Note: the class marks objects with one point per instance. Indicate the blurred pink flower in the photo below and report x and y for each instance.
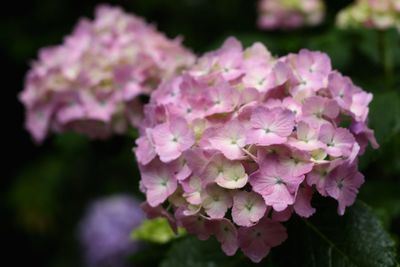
(91, 82)
(289, 14)
(377, 14)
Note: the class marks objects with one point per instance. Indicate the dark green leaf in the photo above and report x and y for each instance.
(385, 115)
(382, 195)
(355, 240)
(190, 252)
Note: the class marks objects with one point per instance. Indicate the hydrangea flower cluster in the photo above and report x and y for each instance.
(91, 83)
(379, 14)
(105, 231)
(242, 140)
(290, 14)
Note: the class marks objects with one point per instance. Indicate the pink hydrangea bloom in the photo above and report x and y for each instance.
(256, 138)
(377, 14)
(289, 14)
(91, 82)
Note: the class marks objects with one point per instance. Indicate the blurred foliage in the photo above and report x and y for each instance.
(47, 188)
(156, 230)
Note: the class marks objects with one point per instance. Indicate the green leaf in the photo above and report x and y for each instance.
(156, 231)
(357, 239)
(382, 195)
(384, 119)
(191, 252)
(149, 255)
(385, 115)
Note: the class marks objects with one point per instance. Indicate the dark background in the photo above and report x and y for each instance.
(44, 189)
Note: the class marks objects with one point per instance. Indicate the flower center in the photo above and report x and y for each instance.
(215, 198)
(278, 180)
(340, 184)
(248, 206)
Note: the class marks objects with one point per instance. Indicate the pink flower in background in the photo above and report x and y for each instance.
(91, 82)
(377, 14)
(289, 14)
(245, 140)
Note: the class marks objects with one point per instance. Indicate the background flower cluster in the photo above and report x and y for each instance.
(379, 14)
(290, 14)
(92, 82)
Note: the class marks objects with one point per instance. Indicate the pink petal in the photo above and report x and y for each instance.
(171, 139)
(38, 121)
(195, 224)
(343, 183)
(226, 234)
(270, 127)
(229, 140)
(159, 182)
(282, 216)
(145, 150)
(226, 173)
(279, 198)
(302, 204)
(248, 208)
(216, 201)
(256, 241)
